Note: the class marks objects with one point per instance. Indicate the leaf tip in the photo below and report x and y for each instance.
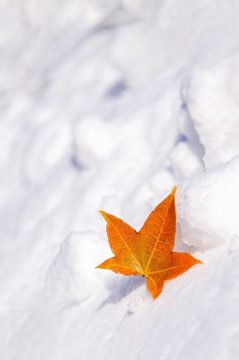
(199, 262)
(103, 214)
(101, 266)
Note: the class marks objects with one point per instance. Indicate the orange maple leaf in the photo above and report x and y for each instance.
(149, 251)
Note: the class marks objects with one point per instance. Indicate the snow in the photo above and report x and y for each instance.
(207, 195)
(213, 103)
(107, 105)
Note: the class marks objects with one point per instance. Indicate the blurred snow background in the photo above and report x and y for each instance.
(107, 104)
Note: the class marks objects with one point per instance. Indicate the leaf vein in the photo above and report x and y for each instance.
(159, 271)
(150, 258)
(124, 242)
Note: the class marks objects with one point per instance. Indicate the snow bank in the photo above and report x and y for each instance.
(208, 200)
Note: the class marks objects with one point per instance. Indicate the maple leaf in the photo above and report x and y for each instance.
(149, 251)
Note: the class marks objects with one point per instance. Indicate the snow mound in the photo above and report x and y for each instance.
(72, 275)
(206, 205)
(213, 103)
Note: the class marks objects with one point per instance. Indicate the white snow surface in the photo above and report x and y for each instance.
(108, 104)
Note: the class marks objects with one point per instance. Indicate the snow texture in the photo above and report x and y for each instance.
(108, 105)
